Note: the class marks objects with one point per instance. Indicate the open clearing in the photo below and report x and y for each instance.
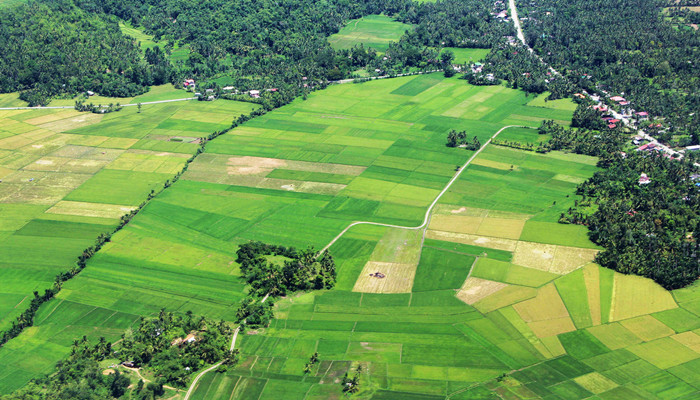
(373, 31)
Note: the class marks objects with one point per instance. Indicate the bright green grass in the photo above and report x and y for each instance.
(466, 55)
(505, 272)
(373, 31)
(560, 104)
(523, 135)
(439, 269)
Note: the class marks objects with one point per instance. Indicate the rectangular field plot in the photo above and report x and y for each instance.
(375, 31)
(441, 270)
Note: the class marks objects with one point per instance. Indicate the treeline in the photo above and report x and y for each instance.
(623, 46)
(300, 270)
(643, 208)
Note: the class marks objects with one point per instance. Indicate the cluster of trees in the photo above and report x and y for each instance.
(98, 109)
(157, 344)
(313, 360)
(455, 139)
(351, 385)
(625, 47)
(605, 144)
(301, 270)
(646, 229)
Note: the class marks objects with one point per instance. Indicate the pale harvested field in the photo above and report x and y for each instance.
(552, 258)
(400, 246)
(689, 339)
(501, 228)
(546, 313)
(455, 223)
(553, 345)
(634, 296)
(300, 186)
(475, 289)
(591, 276)
(474, 240)
(510, 295)
(567, 259)
(399, 278)
(534, 255)
(72, 122)
(647, 328)
(89, 209)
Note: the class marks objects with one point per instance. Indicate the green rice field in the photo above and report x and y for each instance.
(67, 177)
(372, 31)
(494, 300)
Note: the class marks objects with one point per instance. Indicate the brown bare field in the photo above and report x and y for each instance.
(492, 243)
(398, 278)
(475, 289)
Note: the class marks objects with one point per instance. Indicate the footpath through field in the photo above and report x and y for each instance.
(432, 205)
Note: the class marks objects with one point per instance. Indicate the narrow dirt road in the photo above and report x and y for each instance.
(432, 205)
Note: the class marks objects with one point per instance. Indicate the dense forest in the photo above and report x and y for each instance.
(57, 48)
(624, 47)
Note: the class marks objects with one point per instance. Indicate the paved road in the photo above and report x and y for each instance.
(521, 36)
(342, 81)
(71, 107)
(432, 205)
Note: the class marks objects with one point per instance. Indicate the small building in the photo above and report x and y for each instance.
(644, 179)
(211, 98)
(617, 98)
(693, 148)
(188, 83)
(190, 338)
(227, 88)
(129, 364)
(254, 94)
(612, 126)
(642, 115)
(210, 91)
(90, 93)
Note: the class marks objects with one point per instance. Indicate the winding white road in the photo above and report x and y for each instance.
(432, 205)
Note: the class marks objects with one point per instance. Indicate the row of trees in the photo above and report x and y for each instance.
(455, 139)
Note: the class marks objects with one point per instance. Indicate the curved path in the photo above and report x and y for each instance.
(432, 205)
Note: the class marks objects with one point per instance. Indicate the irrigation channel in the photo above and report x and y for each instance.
(426, 219)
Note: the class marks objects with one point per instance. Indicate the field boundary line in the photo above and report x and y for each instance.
(429, 211)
